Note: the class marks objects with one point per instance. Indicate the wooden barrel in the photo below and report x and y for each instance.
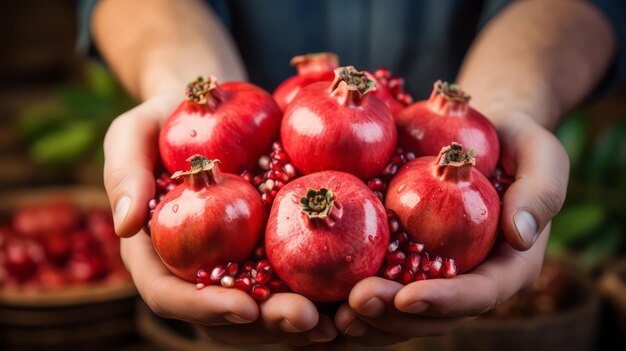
(95, 316)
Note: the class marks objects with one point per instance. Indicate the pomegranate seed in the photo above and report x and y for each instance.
(280, 156)
(449, 268)
(269, 174)
(247, 266)
(232, 269)
(392, 272)
(375, 184)
(262, 277)
(393, 246)
(406, 277)
(170, 187)
(217, 274)
(380, 196)
(290, 170)
(410, 156)
(425, 262)
(414, 247)
(259, 292)
(276, 165)
(435, 268)
(277, 286)
(390, 170)
(391, 214)
(267, 198)
(264, 162)
(243, 283)
(264, 265)
(266, 186)
(247, 176)
(382, 72)
(280, 175)
(413, 262)
(397, 159)
(279, 184)
(227, 281)
(277, 146)
(396, 257)
(203, 277)
(152, 204)
(420, 276)
(273, 193)
(401, 237)
(259, 252)
(258, 180)
(394, 226)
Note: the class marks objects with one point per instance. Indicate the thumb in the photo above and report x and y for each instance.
(538, 192)
(130, 157)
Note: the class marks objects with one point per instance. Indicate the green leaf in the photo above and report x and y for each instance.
(575, 222)
(573, 135)
(608, 160)
(66, 145)
(606, 244)
(39, 120)
(100, 81)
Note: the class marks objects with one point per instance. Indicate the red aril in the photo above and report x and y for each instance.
(390, 90)
(209, 219)
(446, 204)
(339, 126)
(446, 117)
(326, 232)
(312, 68)
(234, 122)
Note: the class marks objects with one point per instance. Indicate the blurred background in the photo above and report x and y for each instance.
(62, 283)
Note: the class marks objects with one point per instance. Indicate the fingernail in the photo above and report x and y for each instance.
(526, 226)
(319, 336)
(418, 307)
(287, 326)
(121, 210)
(356, 329)
(372, 308)
(237, 319)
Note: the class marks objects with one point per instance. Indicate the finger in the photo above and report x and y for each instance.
(538, 192)
(130, 149)
(262, 333)
(288, 312)
(370, 296)
(357, 331)
(471, 294)
(171, 297)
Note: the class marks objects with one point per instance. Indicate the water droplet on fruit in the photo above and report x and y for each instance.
(193, 133)
(401, 188)
(348, 258)
(175, 208)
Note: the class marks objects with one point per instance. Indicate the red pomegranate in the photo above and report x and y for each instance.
(208, 220)
(312, 68)
(339, 126)
(446, 204)
(390, 90)
(427, 126)
(326, 232)
(234, 122)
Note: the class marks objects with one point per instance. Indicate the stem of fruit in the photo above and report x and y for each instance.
(203, 172)
(448, 99)
(204, 92)
(453, 164)
(313, 63)
(321, 206)
(351, 86)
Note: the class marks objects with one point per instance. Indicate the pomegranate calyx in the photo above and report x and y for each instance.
(454, 164)
(448, 99)
(203, 172)
(321, 205)
(315, 62)
(351, 86)
(204, 92)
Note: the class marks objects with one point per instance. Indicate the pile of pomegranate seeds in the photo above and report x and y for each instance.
(163, 185)
(254, 276)
(277, 171)
(501, 181)
(407, 261)
(379, 183)
(394, 84)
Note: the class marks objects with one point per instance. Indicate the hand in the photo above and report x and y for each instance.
(228, 315)
(382, 312)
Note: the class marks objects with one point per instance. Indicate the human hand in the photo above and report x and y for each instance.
(228, 315)
(382, 312)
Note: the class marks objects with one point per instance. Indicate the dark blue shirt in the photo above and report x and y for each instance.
(421, 40)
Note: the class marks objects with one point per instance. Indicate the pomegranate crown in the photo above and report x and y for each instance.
(451, 91)
(317, 203)
(330, 59)
(453, 154)
(201, 90)
(200, 164)
(354, 80)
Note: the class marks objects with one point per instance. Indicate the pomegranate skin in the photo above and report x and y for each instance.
(426, 126)
(208, 220)
(453, 210)
(235, 122)
(312, 68)
(338, 127)
(324, 261)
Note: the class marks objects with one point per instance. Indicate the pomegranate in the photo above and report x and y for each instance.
(209, 219)
(390, 90)
(234, 122)
(339, 126)
(311, 68)
(427, 126)
(446, 204)
(326, 232)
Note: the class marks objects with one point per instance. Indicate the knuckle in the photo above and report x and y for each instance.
(551, 195)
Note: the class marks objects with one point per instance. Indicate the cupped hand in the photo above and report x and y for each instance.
(382, 312)
(228, 315)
